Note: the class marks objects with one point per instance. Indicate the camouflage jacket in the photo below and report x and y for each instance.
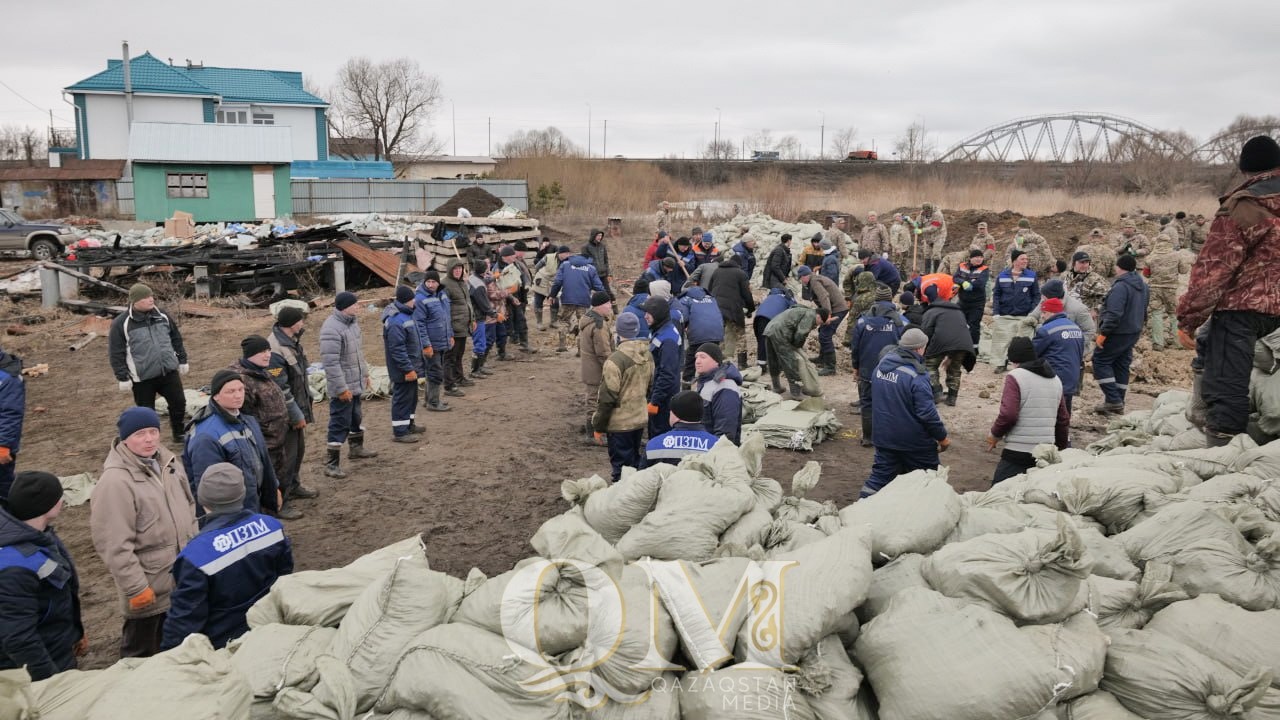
(664, 220)
(986, 242)
(624, 389)
(1195, 236)
(1090, 287)
(899, 238)
(1239, 267)
(934, 227)
(840, 239)
(1138, 244)
(1039, 254)
(1176, 233)
(874, 238)
(1165, 265)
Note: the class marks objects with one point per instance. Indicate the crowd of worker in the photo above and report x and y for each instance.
(193, 540)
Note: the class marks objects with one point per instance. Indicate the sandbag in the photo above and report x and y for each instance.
(1172, 529)
(460, 671)
(568, 537)
(795, 506)
(1238, 638)
(1115, 498)
(784, 536)
(340, 704)
(1159, 678)
(747, 529)
(321, 597)
(978, 521)
(827, 582)
(72, 694)
(830, 681)
(1259, 492)
(660, 702)
(1034, 576)
(384, 619)
(742, 693)
(1109, 557)
(933, 657)
(1248, 579)
(614, 509)
(705, 603)
(1130, 605)
(191, 681)
(890, 579)
(912, 514)
(1099, 705)
(696, 504)
(554, 596)
(276, 656)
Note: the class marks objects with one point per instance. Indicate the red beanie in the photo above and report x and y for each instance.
(1052, 305)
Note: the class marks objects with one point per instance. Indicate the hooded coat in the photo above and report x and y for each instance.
(731, 288)
(459, 302)
(39, 600)
(721, 392)
(597, 252)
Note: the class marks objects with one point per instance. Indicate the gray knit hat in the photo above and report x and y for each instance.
(221, 488)
(913, 339)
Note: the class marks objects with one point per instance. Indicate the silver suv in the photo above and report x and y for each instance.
(44, 242)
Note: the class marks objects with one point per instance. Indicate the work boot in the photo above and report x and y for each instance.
(331, 468)
(503, 356)
(434, 404)
(541, 316)
(302, 492)
(827, 365)
(356, 449)
(777, 384)
(1108, 408)
(288, 512)
(951, 397)
(555, 320)
(937, 395)
(742, 361)
(794, 388)
(454, 392)
(466, 382)
(416, 429)
(407, 439)
(866, 431)
(560, 346)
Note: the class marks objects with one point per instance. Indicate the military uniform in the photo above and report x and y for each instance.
(933, 234)
(875, 237)
(840, 239)
(1089, 287)
(664, 220)
(900, 245)
(1138, 244)
(1164, 265)
(1195, 237)
(985, 242)
(1176, 233)
(1039, 254)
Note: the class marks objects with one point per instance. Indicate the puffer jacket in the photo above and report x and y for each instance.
(598, 253)
(879, 328)
(775, 303)
(144, 345)
(1032, 411)
(703, 320)
(831, 266)
(721, 392)
(777, 267)
(884, 272)
(288, 357)
(1060, 342)
(215, 436)
(39, 603)
(432, 315)
(576, 279)
(400, 343)
(948, 332)
(1015, 296)
(342, 354)
(624, 388)
(977, 277)
(460, 316)
(1125, 309)
(142, 514)
(904, 417)
(265, 401)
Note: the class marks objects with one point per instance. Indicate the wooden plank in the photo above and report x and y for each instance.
(475, 221)
(91, 306)
(202, 310)
(87, 278)
(383, 264)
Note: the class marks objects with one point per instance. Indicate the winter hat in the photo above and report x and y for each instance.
(1259, 154)
(221, 488)
(1127, 263)
(913, 339)
(289, 316)
(1021, 350)
(641, 286)
(1080, 256)
(507, 251)
(563, 249)
(1016, 254)
(817, 238)
(663, 234)
(687, 406)
(668, 263)
(404, 294)
(1024, 223)
(803, 270)
(431, 275)
(221, 378)
(660, 289)
(883, 292)
(712, 350)
(683, 241)
(907, 298)
(1054, 289)
(599, 298)
(659, 309)
(253, 345)
(976, 252)
(826, 246)
(135, 419)
(706, 238)
(345, 300)
(931, 293)
(33, 494)
(1052, 305)
(138, 292)
(627, 326)
(982, 225)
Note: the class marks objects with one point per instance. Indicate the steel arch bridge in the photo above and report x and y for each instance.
(1224, 147)
(1065, 137)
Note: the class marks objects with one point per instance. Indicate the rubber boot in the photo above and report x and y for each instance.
(331, 469)
(866, 431)
(503, 356)
(478, 370)
(827, 364)
(555, 319)
(794, 388)
(541, 318)
(356, 450)
(951, 397)
(777, 384)
(525, 346)
(288, 512)
(1158, 334)
(560, 346)
(434, 403)
(937, 394)
(742, 361)
(1107, 408)
(454, 392)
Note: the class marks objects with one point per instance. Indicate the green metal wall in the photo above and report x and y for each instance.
(230, 192)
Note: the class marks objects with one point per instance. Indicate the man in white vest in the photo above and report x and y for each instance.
(1032, 411)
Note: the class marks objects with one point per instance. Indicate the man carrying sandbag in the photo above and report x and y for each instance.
(225, 569)
(1017, 293)
(908, 434)
(785, 336)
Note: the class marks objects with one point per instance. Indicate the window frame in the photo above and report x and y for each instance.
(186, 185)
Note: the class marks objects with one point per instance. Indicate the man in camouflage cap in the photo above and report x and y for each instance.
(1084, 283)
(664, 217)
(1039, 254)
(931, 227)
(1130, 241)
(837, 236)
(900, 243)
(875, 236)
(985, 242)
(1164, 265)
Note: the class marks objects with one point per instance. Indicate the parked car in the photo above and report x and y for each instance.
(43, 241)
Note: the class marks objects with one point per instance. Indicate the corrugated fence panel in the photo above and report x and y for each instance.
(124, 197)
(403, 197)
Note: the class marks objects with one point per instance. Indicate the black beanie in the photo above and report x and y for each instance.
(33, 493)
(641, 286)
(1259, 154)
(687, 406)
(289, 316)
(431, 275)
(712, 350)
(1053, 289)
(600, 297)
(1127, 263)
(344, 300)
(659, 309)
(221, 378)
(253, 345)
(1021, 350)
(404, 294)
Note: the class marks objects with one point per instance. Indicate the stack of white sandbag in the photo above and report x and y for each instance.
(768, 232)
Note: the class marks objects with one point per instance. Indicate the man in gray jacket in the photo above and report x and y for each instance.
(147, 356)
(346, 376)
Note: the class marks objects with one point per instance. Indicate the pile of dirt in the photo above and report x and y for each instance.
(821, 217)
(477, 200)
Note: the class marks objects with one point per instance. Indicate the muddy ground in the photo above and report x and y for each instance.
(490, 473)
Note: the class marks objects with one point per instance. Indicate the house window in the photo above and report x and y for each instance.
(264, 119)
(187, 185)
(232, 117)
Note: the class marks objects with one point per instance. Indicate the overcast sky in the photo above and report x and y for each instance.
(657, 71)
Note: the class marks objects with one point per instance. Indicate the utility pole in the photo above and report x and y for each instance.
(605, 153)
(490, 145)
(822, 135)
(588, 131)
(453, 111)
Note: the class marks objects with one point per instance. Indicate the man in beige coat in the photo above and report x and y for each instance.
(141, 515)
(595, 345)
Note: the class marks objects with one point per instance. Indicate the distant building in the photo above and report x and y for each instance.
(449, 167)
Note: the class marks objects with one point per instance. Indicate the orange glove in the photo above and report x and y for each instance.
(943, 444)
(1184, 339)
(992, 442)
(599, 438)
(142, 599)
(653, 409)
(428, 351)
(1101, 339)
(502, 317)
(300, 424)
(344, 396)
(6, 456)
(81, 647)
(411, 376)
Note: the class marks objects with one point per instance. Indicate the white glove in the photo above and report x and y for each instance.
(183, 369)
(124, 385)
(884, 256)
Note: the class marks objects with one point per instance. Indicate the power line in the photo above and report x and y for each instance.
(24, 99)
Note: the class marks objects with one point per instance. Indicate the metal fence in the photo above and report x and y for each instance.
(401, 197)
(124, 198)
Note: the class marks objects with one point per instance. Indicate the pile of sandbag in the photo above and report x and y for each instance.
(794, 424)
(767, 233)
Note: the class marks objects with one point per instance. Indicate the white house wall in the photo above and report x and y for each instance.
(431, 171)
(302, 122)
(109, 124)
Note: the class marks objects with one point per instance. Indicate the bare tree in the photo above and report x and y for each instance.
(1225, 147)
(915, 145)
(788, 147)
(549, 142)
(724, 149)
(843, 141)
(389, 102)
(762, 140)
(19, 142)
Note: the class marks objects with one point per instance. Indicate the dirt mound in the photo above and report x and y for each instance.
(820, 216)
(477, 200)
